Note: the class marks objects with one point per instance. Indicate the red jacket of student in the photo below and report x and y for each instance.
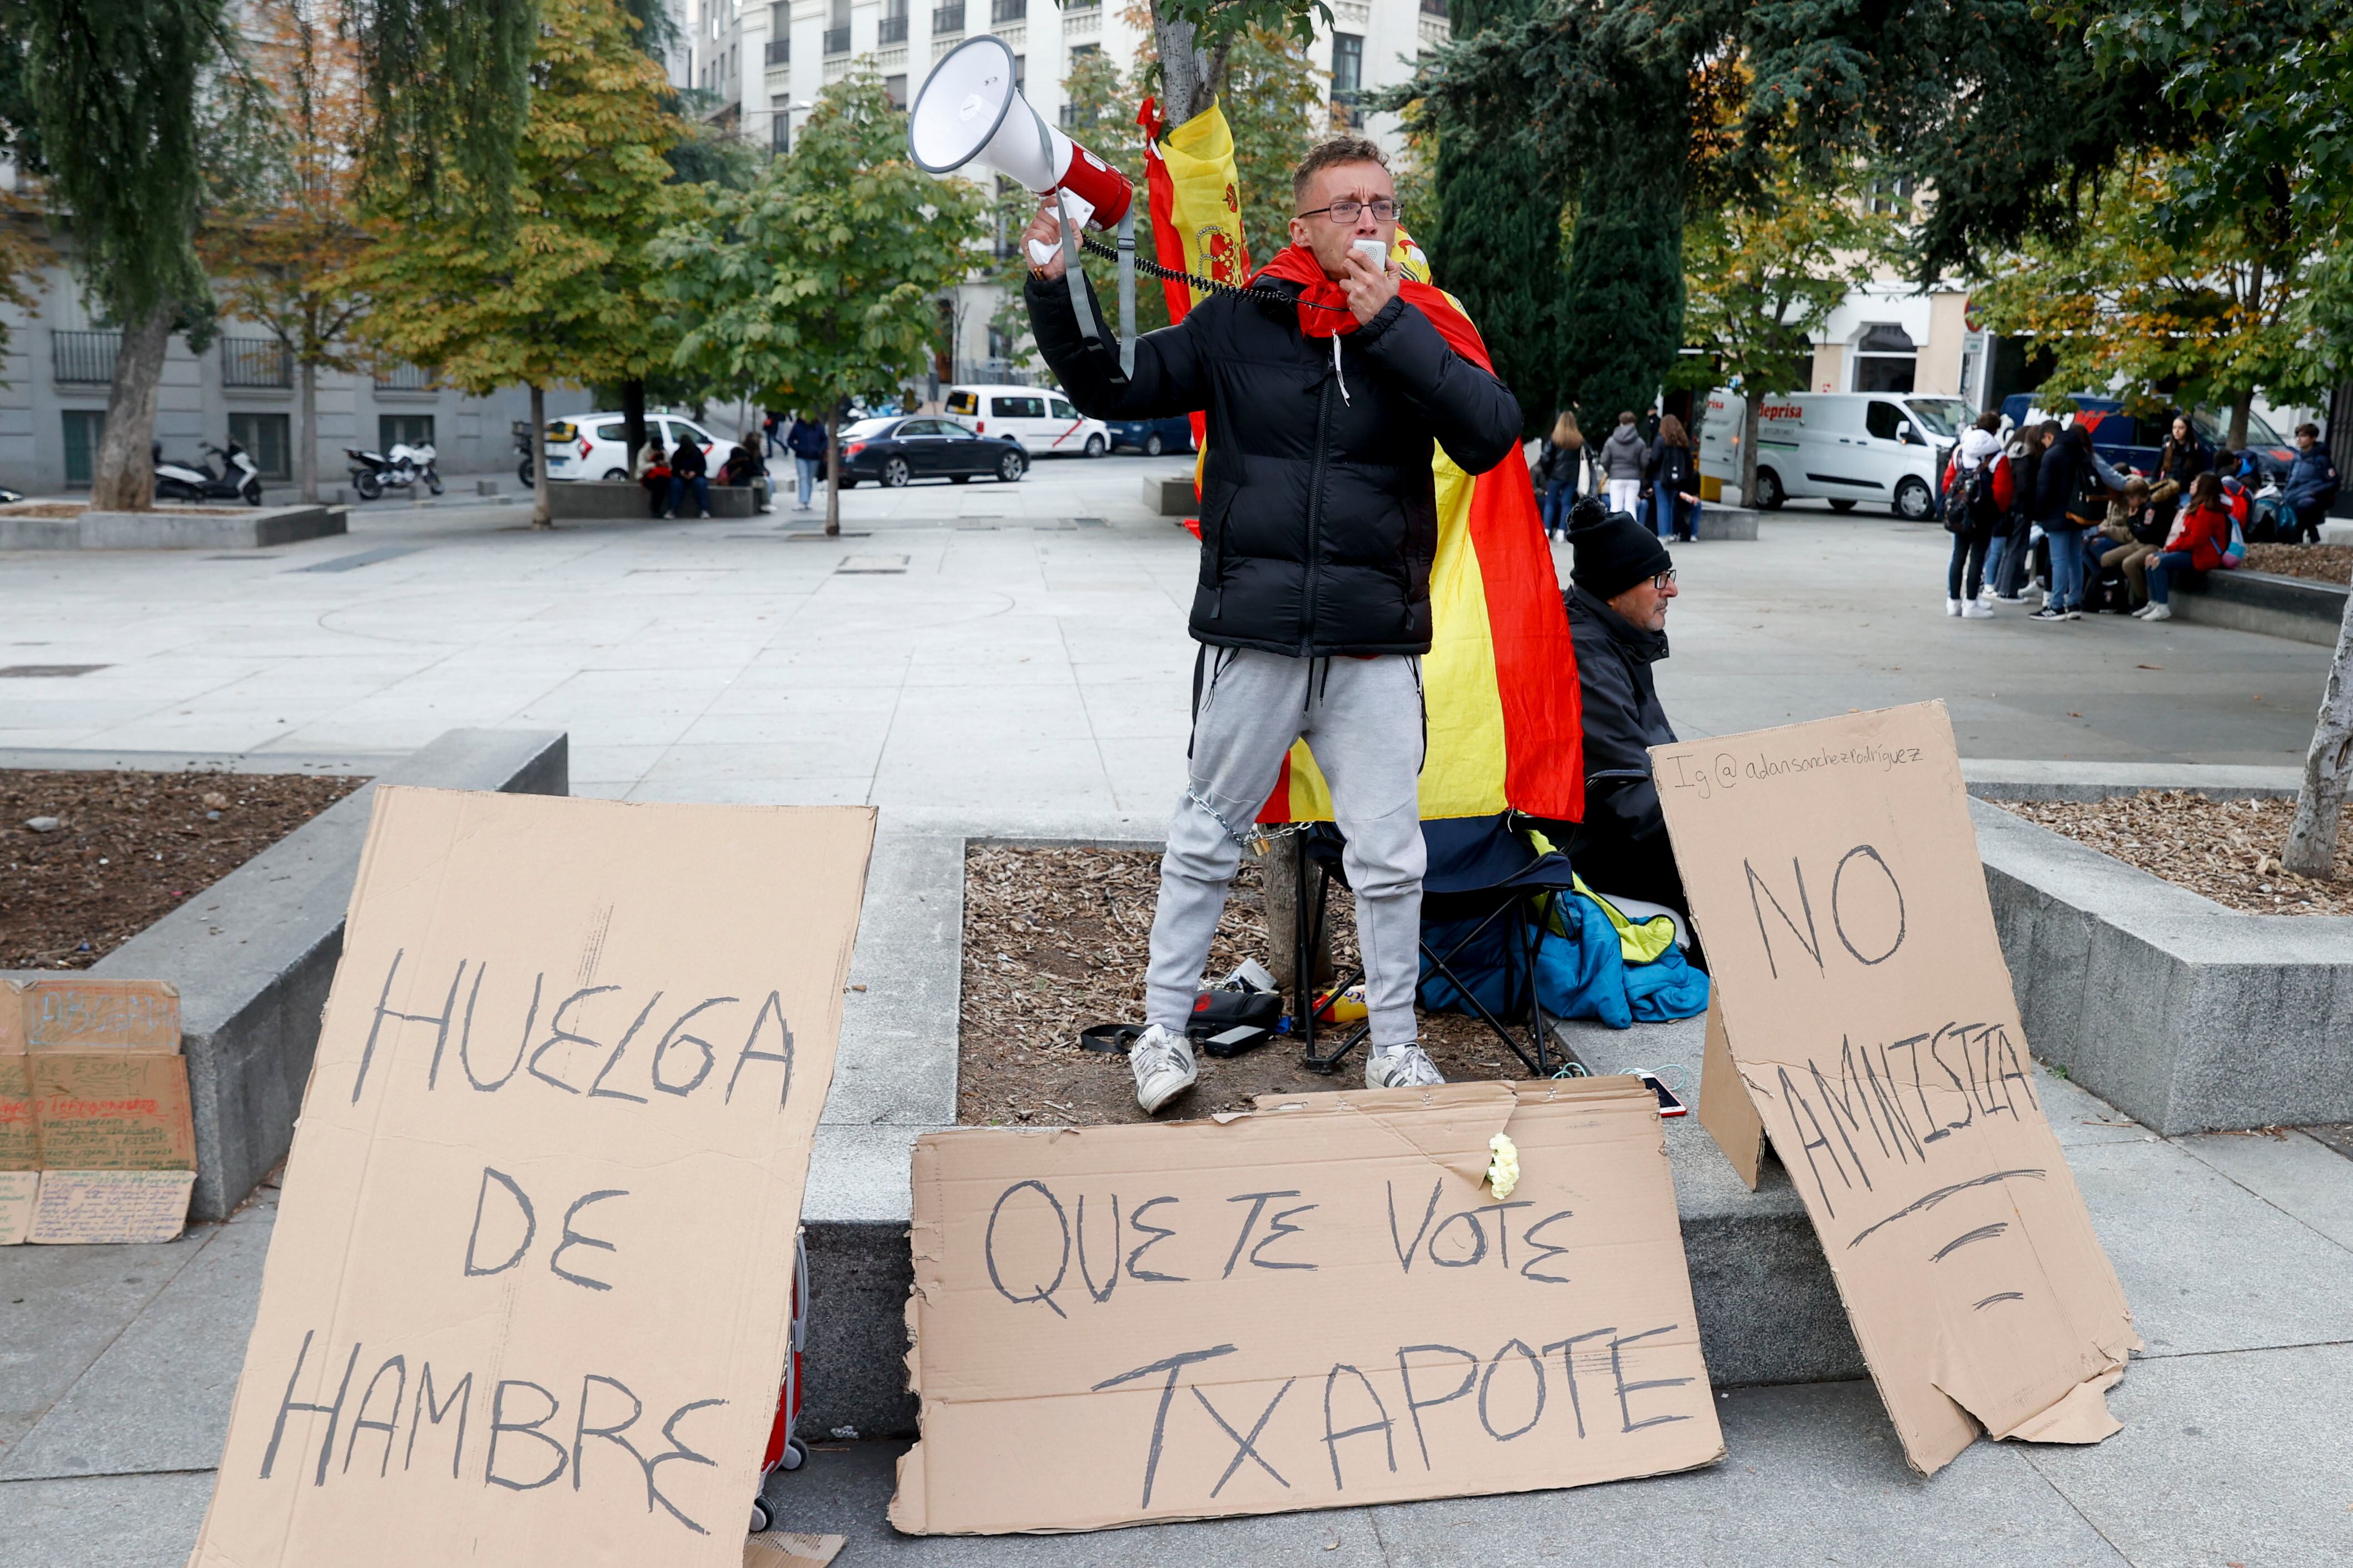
(2203, 532)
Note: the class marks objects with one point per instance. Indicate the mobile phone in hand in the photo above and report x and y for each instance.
(1376, 254)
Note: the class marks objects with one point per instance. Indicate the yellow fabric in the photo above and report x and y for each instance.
(1639, 941)
(1206, 197)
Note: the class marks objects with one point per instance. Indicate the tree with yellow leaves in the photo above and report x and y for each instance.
(559, 294)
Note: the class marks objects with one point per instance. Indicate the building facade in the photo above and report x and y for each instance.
(764, 61)
(59, 364)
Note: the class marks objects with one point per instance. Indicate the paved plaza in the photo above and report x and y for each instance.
(1011, 658)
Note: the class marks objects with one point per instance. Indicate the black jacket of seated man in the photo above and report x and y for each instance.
(1319, 515)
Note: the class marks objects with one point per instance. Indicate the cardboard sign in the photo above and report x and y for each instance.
(527, 1298)
(94, 1098)
(1834, 875)
(1321, 1305)
(17, 1190)
(1724, 1108)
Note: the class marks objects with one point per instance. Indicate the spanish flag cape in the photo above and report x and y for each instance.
(1499, 683)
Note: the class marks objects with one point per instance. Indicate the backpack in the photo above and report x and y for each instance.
(2004, 482)
(2235, 554)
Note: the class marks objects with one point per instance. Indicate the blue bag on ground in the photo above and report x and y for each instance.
(1580, 971)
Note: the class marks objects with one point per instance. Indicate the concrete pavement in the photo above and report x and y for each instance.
(990, 658)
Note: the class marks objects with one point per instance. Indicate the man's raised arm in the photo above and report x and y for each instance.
(1473, 416)
(1168, 376)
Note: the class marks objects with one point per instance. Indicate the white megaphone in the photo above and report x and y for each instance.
(969, 112)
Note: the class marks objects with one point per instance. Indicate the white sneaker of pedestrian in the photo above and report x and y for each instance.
(1401, 1067)
(1163, 1065)
(1976, 610)
(2159, 612)
(1952, 606)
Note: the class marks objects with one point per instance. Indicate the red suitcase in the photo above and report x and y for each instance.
(786, 1451)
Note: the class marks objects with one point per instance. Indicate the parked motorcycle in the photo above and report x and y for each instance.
(528, 469)
(239, 477)
(372, 473)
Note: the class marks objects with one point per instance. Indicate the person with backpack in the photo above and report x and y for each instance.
(805, 442)
(2200, 536)
(1558, 471)
(2011, 554)
(2061, 497)
(1622, 460)
(1971, 515)
(2311, 488)
(1672, 475)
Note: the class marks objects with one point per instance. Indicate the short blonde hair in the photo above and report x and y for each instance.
(1332, 154)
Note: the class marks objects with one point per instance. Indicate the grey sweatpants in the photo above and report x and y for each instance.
(1363, 717)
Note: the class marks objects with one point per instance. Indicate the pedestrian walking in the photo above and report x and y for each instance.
(772, 434)
(1972, 512)
(688, 471)
(1563, 473)
(805, 441)
(1622, 460)
(1671, 472)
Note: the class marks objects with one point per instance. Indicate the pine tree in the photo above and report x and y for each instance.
(1495, 242)
(560, 294)
(1624, 315)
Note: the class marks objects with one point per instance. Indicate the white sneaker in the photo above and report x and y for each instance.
(1163, 1065)
(1952, 606)
(1976, 610)
(1401, 1067)
(2159, 612)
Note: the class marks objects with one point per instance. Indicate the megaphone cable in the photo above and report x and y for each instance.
(1170, 275)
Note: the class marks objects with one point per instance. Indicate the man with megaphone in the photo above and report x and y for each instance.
(1325, 385)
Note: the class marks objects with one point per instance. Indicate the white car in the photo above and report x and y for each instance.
(1043, 421)
(1886, 447)
(595, 445)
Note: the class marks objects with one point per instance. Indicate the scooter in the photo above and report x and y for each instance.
(374, 473)
(239, 477)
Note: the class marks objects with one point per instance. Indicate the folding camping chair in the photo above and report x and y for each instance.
(1483, 874)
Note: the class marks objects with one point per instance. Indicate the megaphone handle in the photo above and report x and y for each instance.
(1127, 291)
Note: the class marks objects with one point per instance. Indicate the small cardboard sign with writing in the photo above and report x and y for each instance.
(529, 1286)
(94, 1110)
(1833, 873)
(1320, 1305)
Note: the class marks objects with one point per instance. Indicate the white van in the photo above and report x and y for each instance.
(1042, 419)
(1843, 447)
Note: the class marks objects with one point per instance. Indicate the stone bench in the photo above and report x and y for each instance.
(220, 528)
(2296, 607)
(582, 500)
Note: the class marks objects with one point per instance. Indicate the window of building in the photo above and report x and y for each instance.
(84, 429)
(1021, 73)
(893, 27)
(895, 87)
(1884, 359)
(1891, 195)
(269, 440)
(780, 126)
(403, 430)
(1347, 65)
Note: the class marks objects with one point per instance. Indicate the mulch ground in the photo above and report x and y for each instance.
(2321, 562)
(1054, 941)
(128, 849)
(2226, 850)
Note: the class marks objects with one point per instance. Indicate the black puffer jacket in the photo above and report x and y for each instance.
(1319, 516)
(1621, 846)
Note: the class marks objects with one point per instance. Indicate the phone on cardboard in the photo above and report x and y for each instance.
(1669, 1105)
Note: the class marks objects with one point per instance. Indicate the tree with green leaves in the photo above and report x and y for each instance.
(1495, 243)
(1758, 277)
(560, 292)
(286, 247)
(817, 286)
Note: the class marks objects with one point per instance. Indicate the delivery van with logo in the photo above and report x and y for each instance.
(1846, 448)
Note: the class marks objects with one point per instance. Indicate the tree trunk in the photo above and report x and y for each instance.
(1185, 88)
(543, 510)
(123, 477)
(2241, 404)
(833, 469)
(1752, 422)
(633, 416)
(2311, 849)
(306, 435)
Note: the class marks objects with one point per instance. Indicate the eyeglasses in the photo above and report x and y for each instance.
(1664, 580)
(1383, 211)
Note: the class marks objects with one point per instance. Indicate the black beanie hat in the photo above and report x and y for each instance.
(1611, 551)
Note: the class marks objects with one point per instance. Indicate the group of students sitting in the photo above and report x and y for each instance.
(2108, 538)
(669, 478)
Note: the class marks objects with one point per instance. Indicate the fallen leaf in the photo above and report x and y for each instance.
(2148, 667)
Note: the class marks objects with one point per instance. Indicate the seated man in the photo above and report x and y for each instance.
(1623, 581)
